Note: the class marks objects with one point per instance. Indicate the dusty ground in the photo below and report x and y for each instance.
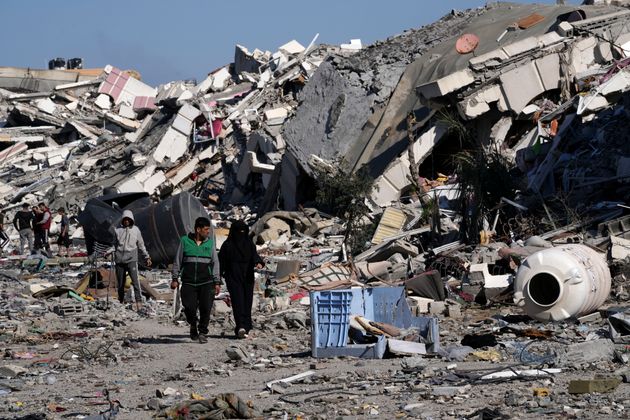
(134, 356)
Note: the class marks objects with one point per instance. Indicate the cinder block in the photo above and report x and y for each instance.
(437, 308)
(587, 386)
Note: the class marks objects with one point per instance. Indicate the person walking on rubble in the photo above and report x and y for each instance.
(128, 242)
(43, 221)
(23, 221)
(237, 258)
(4, 238)
(197, 264)
(64, 236)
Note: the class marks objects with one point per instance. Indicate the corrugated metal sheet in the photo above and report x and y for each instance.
(391, 223)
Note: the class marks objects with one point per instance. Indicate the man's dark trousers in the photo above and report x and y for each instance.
(201, 298)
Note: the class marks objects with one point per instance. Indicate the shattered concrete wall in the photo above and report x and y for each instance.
(328, 119)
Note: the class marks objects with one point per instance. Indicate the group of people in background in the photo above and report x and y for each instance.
(197, 265)
(33, 225)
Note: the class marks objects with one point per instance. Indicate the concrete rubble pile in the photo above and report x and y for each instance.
(494, 280)
(67, 142)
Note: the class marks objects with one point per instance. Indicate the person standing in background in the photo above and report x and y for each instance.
(23, 223)
(43, 222)
(64, 236)
(4, 238)
(128, 242)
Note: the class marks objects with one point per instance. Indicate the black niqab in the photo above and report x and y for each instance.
(240, 244)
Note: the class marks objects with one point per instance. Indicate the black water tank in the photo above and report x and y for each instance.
(56, 64)
(75, 63)
(164, 223)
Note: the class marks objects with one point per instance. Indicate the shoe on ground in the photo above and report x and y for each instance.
(194, 335)
(203, 339)
(241, 333)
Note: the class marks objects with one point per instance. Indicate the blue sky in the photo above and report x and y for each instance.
(174, 40)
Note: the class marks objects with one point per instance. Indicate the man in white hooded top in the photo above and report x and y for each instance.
(128, 242)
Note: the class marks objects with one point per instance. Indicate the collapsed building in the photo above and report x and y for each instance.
(534, 94)
(496, 139)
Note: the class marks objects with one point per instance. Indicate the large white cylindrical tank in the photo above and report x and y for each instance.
(562, 282)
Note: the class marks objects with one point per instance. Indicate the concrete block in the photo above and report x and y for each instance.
(170, 91)
(185, 96)
(184, 172)
(480, 271)
(204, 86)
(292, 47)
(72, 106)
(126, 111)
(619, 83)
(588, 352)
(520, 86)
(55, 160)
(154, 181)
(564, 29)
(102, 101)
(385, 192)
(34, 288)
(220, 79)
(11, 371)
(437, 308)
(479, 102)
(278, 224)
(189, 112)
(129, 186)
(420, 304)
(447, 84)
(583, 55)
(173, 146)
(588, 386)
(520, 47)
(133, 88)
(183, 125)
(453, 309)
(144, 174)
(354, 45)
(619, 248)
(398, 175)
(549, 70)
(548, 39)
(268, 235)
(276, 116)
(46, 105)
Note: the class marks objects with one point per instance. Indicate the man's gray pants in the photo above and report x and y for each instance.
(131, 268)
(26, 238)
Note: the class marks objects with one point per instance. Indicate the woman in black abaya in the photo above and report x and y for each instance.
(238, 258)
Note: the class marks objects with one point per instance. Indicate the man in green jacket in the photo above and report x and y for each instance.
(198, 266)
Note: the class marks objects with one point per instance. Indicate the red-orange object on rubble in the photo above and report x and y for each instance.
(467, 43)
